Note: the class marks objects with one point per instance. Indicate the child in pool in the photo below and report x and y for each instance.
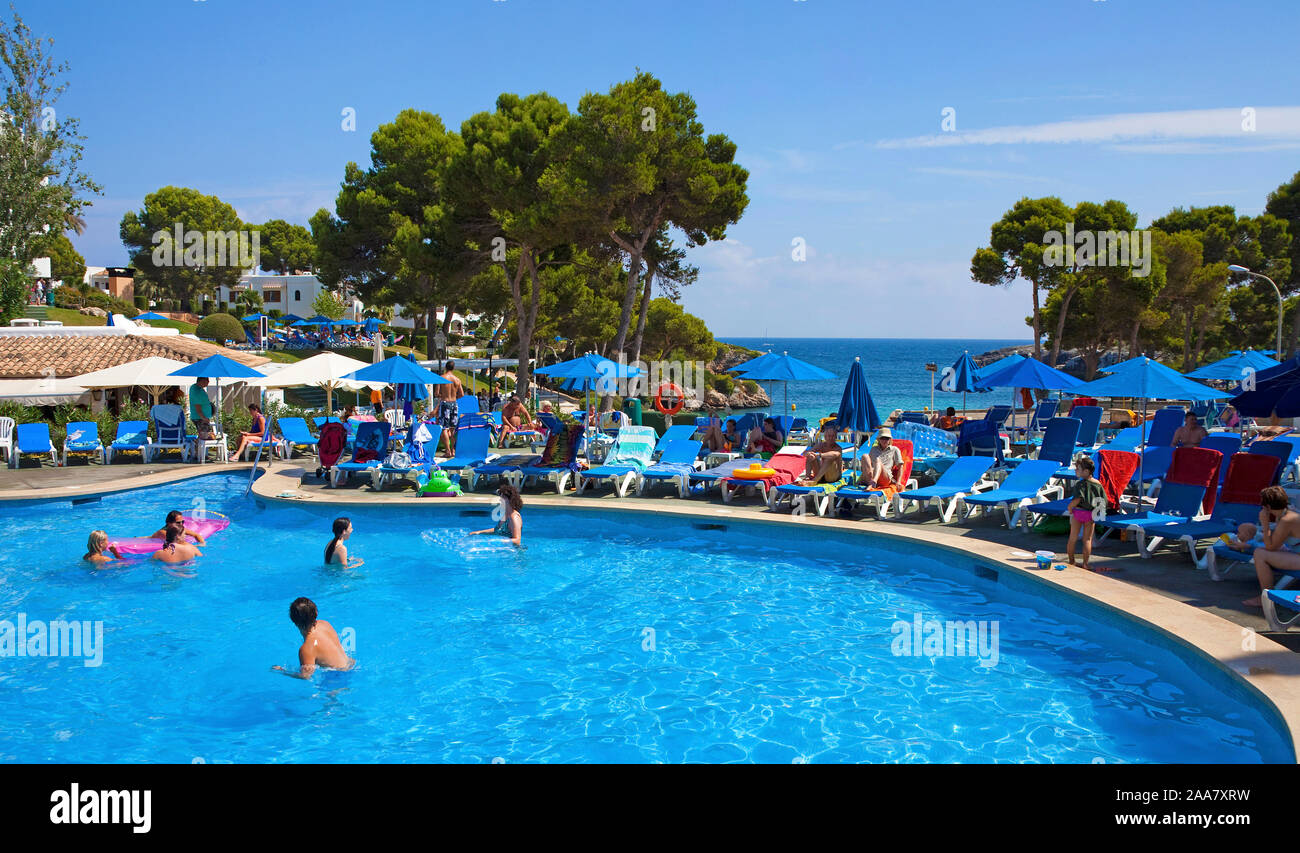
(177, 550)
(98, 548)
(320, 643)
(336, 553)
(512, 521)
(1087, 496)
(175, 517)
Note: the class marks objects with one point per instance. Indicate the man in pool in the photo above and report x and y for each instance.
(320, 643)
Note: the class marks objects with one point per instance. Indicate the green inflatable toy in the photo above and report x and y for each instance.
(437, 483)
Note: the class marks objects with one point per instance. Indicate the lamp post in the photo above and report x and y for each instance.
(1239, 268)
(932, 368)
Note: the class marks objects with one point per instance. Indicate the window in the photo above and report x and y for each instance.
(297, 296)
(271, 296)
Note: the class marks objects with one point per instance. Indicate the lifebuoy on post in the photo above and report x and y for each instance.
(675, 391)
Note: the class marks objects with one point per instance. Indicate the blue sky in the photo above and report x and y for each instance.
(836, 107)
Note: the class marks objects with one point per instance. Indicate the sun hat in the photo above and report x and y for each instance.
(883, 432)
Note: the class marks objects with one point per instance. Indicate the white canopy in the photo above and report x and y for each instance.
(151, 374)
(321, 371)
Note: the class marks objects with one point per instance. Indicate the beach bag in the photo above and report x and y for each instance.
(397, 459)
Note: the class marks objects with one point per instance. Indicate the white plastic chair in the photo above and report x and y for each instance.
(7, 437)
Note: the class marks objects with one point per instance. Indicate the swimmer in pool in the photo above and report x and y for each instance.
(98, 548)
(336, 553)
(177, 550)
(320, 644)
(512, 522)
(175, 517)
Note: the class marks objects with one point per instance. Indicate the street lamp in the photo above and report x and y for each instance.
(1239, 268)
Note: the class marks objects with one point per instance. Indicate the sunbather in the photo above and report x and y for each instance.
(177, 550)
(719, 439)
(511, 522)
(948, 420)
(253, 433)
(98, 548)
(175, 517)
(320, 643)
(765, 439)
(884, 463)
(1276, 539)
(1191, 433)
(824, 461)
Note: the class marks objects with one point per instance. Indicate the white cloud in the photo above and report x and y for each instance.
(1274, 123)
(984, 174)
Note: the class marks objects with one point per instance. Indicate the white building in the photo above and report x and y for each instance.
(288, 294)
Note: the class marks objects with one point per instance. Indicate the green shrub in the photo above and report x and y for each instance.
(221, 328)
(723, 383)
(141, 302)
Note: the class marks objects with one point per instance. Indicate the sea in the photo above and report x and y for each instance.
(894, 367)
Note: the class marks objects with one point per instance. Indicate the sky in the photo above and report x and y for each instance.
(884, 138)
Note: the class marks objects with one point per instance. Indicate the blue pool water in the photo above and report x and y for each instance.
(769, 644)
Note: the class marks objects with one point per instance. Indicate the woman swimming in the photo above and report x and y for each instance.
(177, 550)
(512, 521)
(336, 553)
(98, 548)
(175, 517)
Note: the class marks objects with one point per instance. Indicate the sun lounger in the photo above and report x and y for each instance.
(296, 434)
(1227, 443)
(1285, 452)
(132, 436)
(787, 463)
(500, 468)
(966, 476)
(169, 432)
(1187, 490)
(1237, 503)
(1060, 441)
(676, 464)
(1113, 468)
(421, 440)
(368, 451)
(7, 437)
(848, 498)
(628, 458)
(1089, 424)
(1028, 483)
(1164, 423)
(473, 438)
(558, 463)
(32, 439)
(820, 495)
(718, 473)
(1277, 602)
(82, 437)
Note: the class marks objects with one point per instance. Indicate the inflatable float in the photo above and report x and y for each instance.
(435, 483)
(210, 523)
(753, 472)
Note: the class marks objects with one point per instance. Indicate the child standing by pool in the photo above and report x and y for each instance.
(98, 548)
(1087, 496)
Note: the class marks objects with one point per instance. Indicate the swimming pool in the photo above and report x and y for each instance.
(612, 637)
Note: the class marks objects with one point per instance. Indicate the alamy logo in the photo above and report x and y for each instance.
(1098, 249)
(93, 806)
(182, 248)
(37, 639)
(933, 638)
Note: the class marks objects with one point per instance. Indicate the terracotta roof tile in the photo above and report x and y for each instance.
(29, 356)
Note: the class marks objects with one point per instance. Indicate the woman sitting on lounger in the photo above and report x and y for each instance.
(254, 433)
(767, 439)
(824, 461)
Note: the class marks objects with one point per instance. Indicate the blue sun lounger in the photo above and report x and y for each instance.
(473, 440)
(1060, 441)
(1089, 424)
(371, 438)
(965, 477)
(564, 443)
(629, 456)
(32, 439)
(82, 437)
(1178, 503)
(132, 436)
(501, 468)
(296, 434)
(1028, 483)
(676, 464)
(1285, 452)
(1279, 601)
(821, 494)
(421, 440)
(712, 476)
(1227, 443)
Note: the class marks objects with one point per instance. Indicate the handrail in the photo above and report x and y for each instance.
(266, 437)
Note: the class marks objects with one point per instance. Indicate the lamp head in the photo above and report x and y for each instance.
(1237, 268)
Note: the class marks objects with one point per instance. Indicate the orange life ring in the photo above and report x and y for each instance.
(659, 398)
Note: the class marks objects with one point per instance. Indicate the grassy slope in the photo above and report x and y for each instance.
(71, 317)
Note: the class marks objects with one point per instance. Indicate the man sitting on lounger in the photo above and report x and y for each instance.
(824, 461)
(884, 464)
(1191, 433)
(1275, 539)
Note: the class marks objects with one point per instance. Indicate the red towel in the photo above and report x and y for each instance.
(1197, 466)
(1248, 475)
(1117, 468)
